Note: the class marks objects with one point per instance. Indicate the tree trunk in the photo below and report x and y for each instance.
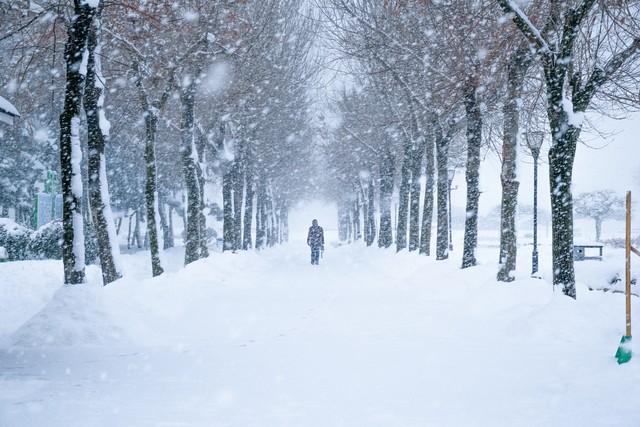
(561, 156)
(385, 236)
(164, 224)
(73, 250)
(598, 229)
(403, 198)
(357, 232)
(238, 187)
(510, 184)
(151, 193)
(366, 231)
(248, 210)
(189, 169)
(200, 147)
(427, 209)
(284, 216)
(261, 216)
(227, 212)
(170, 234)
(442, 156)
(270, 216)
(129, 233)
(474, 142)
(371, 212)
(414, 205)
(98, 131)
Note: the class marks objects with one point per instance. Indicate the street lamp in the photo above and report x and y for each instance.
(451, 172)
(534, 142)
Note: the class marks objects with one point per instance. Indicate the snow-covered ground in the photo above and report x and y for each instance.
(368, 338)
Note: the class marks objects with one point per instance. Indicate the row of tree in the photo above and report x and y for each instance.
(183, 97)
(433, 84)
(179, 99)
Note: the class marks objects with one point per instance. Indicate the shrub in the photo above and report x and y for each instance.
(14, 238)
(46, 241)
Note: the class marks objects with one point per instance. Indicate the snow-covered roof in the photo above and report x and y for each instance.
(7, 111)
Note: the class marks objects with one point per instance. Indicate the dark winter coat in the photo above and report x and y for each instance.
(315, 238)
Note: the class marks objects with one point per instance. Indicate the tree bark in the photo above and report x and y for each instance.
(227, 212)
(474, 142)
(164, 224)
(170, 233)
(511, 112)
(598, 222)
(129, 239)
(151, 192)
(414, 204)
(200, 147)
(98, 130)
(137, 232)
(271, 217)
(248, 210)
(357, 232)
(261, 216)
(371, 213)
(151, 182)
(561, 156)
(427, 209)
(189, 169)
(442, 155)
(238, 187)
(73, 250)
(385, 236)
(403, 198)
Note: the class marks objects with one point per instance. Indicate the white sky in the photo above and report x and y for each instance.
(614, 164)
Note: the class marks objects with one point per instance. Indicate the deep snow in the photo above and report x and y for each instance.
(368, 338)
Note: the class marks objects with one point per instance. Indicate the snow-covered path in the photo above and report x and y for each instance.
(368, 338)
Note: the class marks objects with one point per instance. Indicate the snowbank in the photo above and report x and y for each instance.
(368, 338)
(74, 317)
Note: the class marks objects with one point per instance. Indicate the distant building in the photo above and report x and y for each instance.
(7, 112)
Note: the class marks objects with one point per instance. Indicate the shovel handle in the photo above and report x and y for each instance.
(627, 265)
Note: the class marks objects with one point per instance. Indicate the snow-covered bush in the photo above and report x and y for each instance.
(46, 241)
(14, 238)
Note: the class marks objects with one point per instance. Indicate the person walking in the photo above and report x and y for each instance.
(315, 240)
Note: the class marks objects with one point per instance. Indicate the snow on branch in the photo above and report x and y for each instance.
(600, 75)
(358, 139)
(525, 25)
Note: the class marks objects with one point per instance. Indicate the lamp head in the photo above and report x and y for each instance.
(451, 172)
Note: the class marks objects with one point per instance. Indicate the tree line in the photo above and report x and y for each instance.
(436, 83)
(162, 100)
(165, 100)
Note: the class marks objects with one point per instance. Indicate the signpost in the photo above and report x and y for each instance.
(47, 204)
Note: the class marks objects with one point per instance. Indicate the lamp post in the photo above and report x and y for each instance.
(451, 172)
(534, 142)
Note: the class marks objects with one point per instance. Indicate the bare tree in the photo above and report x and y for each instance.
(599, 206)
(571, 86)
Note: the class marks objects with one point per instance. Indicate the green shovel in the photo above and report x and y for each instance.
(623, 355)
